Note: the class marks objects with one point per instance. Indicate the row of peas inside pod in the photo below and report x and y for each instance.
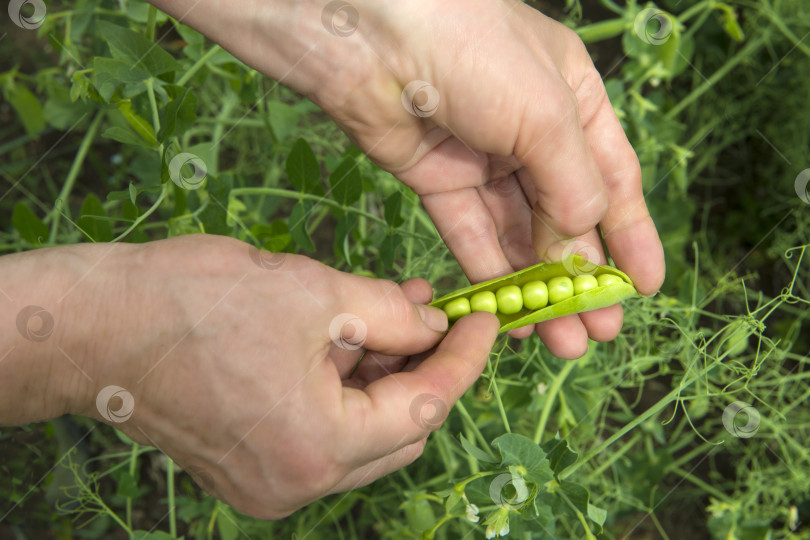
(541, 292)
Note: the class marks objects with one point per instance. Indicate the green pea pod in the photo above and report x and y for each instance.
(572, 266)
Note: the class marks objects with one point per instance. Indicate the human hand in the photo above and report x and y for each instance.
(493, 113)
(240, 365)
(510, 141)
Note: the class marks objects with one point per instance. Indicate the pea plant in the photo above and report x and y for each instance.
(122, 125)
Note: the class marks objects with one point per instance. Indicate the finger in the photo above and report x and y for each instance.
(417, 290)
(571, 198)
(466, 226)
(375, 366)
(627, 227)
(507, 204)
(603, 324)
(565, 337)
(376, 314)
(401, 409)
(378, 468)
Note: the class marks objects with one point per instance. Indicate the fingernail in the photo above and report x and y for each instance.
(434, 318)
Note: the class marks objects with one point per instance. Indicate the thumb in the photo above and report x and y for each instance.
(402, 408)
(376, 314)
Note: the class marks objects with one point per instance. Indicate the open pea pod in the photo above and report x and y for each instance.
(571, 267)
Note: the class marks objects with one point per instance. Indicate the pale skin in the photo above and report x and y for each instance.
(231, 366)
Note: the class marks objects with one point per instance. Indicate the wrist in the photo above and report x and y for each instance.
(56, 329)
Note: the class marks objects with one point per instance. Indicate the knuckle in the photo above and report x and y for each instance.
(399, 307)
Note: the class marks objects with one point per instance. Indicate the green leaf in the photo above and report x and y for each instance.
(274, 236)
(136, 50)
(345, 181)
(28, 108)
(298, 225)
(226, 525)
(125, 136)
(302, 167)
(178, 115)
(99, 230)
(388, 249)
(521, 451)
(578, 496)
(343, 234)
(559, 456)
(214, 217)
(393, 210)
(474, 451)
(419, 513)
(137, 122)
(109, 74)
(29, 226)
(131, 212)
(127, 485)
(283, 119)
(62, 113)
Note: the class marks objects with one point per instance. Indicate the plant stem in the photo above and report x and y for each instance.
(73, 173)
(170, 490)
(190, 72)
(556, 384)
(145, 215)
(744, 53)
(290, 194)
(133, 464)
(151, 19)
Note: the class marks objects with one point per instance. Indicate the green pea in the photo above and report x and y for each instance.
(535, 295)
(510, 299)
(608, 279)
(584, 283)
(457, 308)
(560, 288)
(484, 301)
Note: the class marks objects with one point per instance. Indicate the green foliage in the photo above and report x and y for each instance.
(630, 441)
